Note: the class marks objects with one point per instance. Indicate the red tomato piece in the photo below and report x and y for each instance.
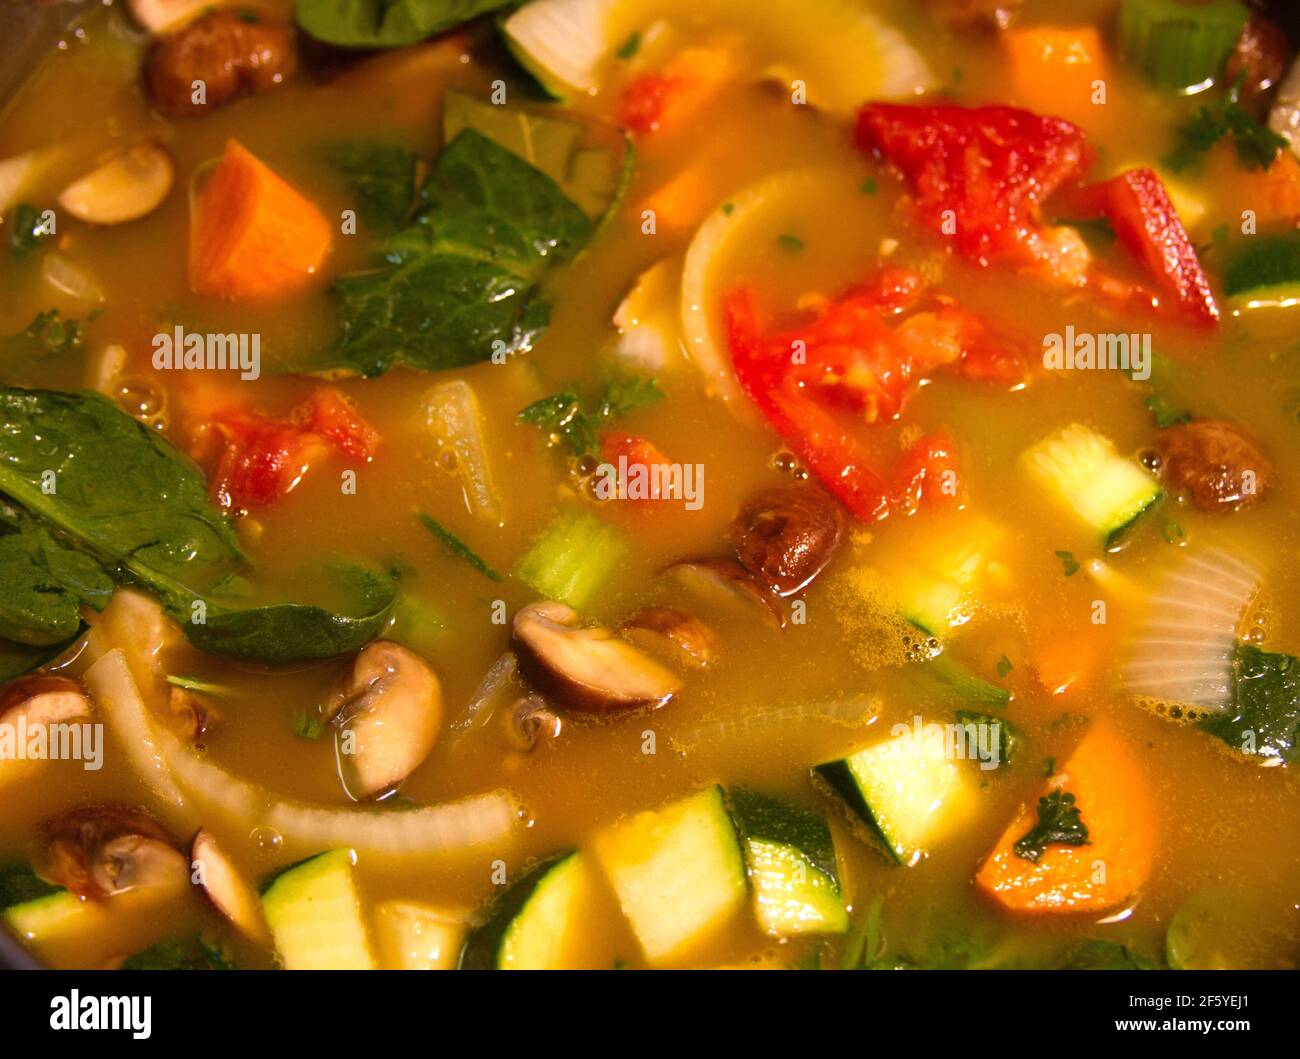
(977, 174)
(1143, 216)
(265, 459)
(828, 451)
(926, 474)
(328, 414)
(640, 457)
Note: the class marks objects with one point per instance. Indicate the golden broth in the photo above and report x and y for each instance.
(1221, 820)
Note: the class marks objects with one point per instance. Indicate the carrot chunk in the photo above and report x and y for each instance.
(1054, 68)
(1115, 801)
(252, 235)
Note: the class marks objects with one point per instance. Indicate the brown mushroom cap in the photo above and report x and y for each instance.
(227, 889)
(586, 667)
(387, 714)
(1216, 463)
(675, 632)
(44, 698)
(786, 535)
(104, 850)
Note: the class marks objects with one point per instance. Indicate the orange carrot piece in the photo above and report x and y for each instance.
(1116, 805)
(1273, 193)
(252, 235)
(682, 202)
(1053, 70)
(1066, 662)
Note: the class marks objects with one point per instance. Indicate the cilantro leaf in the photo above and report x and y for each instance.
(563, 415)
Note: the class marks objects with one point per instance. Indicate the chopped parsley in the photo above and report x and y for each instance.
(307, 725)
(563, 416)
(791, 244)
(630, 46)
(1004, 666)
(1257, 145)
(1059, 823)
(1068, 563)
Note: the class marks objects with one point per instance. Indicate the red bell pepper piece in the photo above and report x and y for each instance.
(990, 166)
(1146, 222)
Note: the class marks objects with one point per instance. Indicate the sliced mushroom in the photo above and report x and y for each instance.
(1260, 59)
(727, 581)
(1216, 463)
(227, 53)
(674, 632)
(387, 715)
(103, 850)
(786, 535)
(232, 894)
(131, 184)
(586, 667)
(43, 698)
(530, 721)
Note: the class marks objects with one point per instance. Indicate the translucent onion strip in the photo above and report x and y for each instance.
(1184, 653)
(167, 765)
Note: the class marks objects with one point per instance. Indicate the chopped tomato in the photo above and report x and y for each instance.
(1143, 216)
(977, 174)
(653, 101)
(848, 355)
(927, 473)
(328, 414)
(630, 456)
(954, 335)
(264, 459)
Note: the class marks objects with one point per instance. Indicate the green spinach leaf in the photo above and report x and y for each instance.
(43, 582)
(99, 491)
(594, 177)
(385, 23)
(284, 633)
(19, 658)
(117, 488)
(1266, 718)
(459, 283)
(381, 179)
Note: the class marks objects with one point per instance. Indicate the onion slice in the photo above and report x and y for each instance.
(1185, 650)
(702, 326)
(168, 766)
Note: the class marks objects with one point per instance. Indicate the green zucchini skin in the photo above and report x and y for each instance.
(838, 776)
(483, 946)
(1265, 265)
(761, 817)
